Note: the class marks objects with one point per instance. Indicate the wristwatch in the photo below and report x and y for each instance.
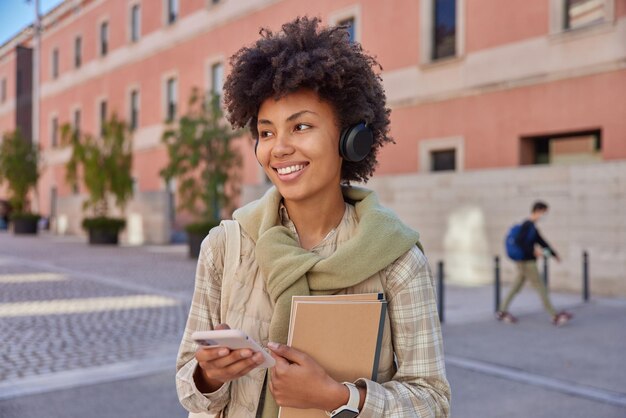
(351, 409)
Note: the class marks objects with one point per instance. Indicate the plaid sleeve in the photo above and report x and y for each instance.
(204, 314)
(419, 388)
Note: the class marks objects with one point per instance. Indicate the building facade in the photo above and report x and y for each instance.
(479, 89)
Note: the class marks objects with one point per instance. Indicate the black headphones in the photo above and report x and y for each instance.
(355, 142)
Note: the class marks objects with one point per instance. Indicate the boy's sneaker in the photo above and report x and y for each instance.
(561, 318)
(505, 317)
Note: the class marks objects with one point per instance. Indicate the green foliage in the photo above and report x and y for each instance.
(104, 162)
(201, 228)
(104, 224)
(202, 159)
(25, 216)
(19, 168)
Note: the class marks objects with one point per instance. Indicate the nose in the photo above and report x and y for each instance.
(282, 145)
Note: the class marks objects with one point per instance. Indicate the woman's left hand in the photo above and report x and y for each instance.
(298, 381)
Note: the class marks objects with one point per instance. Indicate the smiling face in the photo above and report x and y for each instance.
(298, 146)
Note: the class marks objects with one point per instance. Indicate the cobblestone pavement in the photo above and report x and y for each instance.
(70, 312)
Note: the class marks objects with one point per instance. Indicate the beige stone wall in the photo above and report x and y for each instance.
(146, 216)
(463, 218)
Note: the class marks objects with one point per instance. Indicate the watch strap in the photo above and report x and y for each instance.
(355, 396)
(352, 407)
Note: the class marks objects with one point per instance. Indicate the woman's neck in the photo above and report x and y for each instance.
(314, 220)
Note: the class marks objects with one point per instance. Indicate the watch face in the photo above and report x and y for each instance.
(346, 413)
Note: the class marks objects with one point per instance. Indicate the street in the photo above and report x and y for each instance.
(93, 331)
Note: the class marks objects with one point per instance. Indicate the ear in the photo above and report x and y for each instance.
(256, 145)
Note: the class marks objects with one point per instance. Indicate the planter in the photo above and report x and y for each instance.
(194, 241)
(196, 232)
(103, 237)
(103, 230)
(25, 226)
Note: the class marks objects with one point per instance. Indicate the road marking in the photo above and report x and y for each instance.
(182, 296)
(574, 389)
(89, 376)
(166, 249)
(31, 277)
(73, 306)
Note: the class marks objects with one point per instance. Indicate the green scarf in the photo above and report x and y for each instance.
(290, 270)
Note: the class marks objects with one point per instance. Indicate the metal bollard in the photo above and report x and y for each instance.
(440, 290)
(497, 283)
(585, 276)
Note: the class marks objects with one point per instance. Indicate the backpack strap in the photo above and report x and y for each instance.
(232, 257)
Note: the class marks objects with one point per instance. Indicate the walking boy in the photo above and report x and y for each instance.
(526, 240)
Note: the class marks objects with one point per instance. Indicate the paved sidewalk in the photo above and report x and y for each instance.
(93, 331)
(533, 368)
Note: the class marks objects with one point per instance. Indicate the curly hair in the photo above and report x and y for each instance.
(303, 55)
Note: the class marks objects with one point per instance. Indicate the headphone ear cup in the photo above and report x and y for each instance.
(356, 142)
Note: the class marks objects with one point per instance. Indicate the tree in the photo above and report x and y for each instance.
(105, 163)
(203, 161)
(19, 168)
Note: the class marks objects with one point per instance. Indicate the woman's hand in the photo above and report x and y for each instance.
(219, 365)
(298, 381)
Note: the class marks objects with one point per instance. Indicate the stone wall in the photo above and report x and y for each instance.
(147, 218)
(463, 218)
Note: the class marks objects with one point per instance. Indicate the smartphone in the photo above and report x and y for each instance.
(233, 339)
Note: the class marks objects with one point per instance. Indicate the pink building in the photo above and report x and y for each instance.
(481, 86)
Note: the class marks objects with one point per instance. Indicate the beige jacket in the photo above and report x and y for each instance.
(246, 305)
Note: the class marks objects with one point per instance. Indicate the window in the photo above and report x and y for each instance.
(76, 121)
(170, 99)
(78, 52)
(443, 160)
(172, 11)
(444, 29)
(217, 79)
(55, 63)
(349, 22)
(441, 30)
(134, 110)
(54, 132)
(350, 18)
(570, 15)
(3, 90)
(104, 38)
(562, 148)
(580, 13)
(441, 154)
(103, 116)
(135, 23)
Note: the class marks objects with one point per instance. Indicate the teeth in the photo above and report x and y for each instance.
(290, 169)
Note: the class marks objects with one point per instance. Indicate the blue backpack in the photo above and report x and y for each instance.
(513, 250)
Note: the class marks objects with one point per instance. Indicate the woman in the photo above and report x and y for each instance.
(318, 113)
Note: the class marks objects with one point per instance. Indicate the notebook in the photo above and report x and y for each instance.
(343, 333)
